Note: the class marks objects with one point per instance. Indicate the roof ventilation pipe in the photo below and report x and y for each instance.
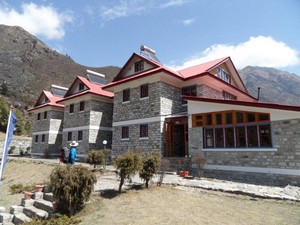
(258, 93)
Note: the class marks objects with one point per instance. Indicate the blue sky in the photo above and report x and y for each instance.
(183, 32)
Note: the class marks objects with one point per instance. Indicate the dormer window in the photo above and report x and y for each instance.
(81, 86)
(222, 74)
(139, 66)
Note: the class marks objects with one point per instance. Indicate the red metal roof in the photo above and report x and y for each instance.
(245, 103)
(53, 101)
(93, 88)
(201, 68)
(183, 74)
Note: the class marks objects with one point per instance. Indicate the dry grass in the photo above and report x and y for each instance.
(160, 205)
(18, 172)
(167, 205)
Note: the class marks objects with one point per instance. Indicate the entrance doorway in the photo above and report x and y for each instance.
(176, 139)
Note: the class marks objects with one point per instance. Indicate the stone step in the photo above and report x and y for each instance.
(7, 223)
(14, 209)
(32, 212)
(48, 197)
(26, 202)
(20, 218)
(44, 205)
(5, 217)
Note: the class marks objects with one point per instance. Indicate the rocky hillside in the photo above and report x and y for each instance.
(276, 85)
(28, 66)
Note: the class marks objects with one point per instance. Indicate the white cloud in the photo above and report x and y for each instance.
(188, 21)
(257, 51)
(172, 3)
(125, 8)
(38, 20)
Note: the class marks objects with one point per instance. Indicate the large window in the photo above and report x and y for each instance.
(248, 136)
(126, 95)
(188, 91)
(144, 91)
(234, 129)
(139, 66)
(125, 132)
(222, 74)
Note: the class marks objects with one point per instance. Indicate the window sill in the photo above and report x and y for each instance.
(124, 139)
(144, 98)
(126, 102)
(239, 150)
(143, 138)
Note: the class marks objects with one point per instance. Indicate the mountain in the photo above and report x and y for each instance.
(275, 85)
(28, 66)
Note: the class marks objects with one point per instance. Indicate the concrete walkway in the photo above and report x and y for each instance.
(110, 181)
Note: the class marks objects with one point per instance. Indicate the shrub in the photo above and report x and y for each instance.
(19, 188)
(71, 187)
(164, 165)
(150, 166)
(95, 157)
(200, 162)
(127, 165)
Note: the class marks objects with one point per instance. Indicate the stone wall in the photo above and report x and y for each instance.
(95, 122)
(51, 127)
(134, 142)
(285, 135)
(208, 92)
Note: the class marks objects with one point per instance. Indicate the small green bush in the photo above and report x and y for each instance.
(20, 188)
(71, 187)
(95, 157)
(127, 165)
(150, 166)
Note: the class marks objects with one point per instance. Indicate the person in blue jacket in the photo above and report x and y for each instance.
(73, 152)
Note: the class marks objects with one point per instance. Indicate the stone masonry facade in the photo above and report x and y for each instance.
(285, 139)
(51, 128)
(94, 122)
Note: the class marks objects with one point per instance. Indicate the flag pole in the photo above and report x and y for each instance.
(7, 139)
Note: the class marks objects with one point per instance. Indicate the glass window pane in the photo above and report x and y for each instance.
(208, 119)
(263, 117)
(265, 135)
(250, 117)
(228, 118)
(239, 117)
(252, 136)
(209, 138)
(219, 137)
(218, 118)
(229, 138)
(240, 136)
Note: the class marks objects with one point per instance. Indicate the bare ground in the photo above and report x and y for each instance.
(159, 205)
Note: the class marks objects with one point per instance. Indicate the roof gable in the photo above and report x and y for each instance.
(130, 69)
(82, 86)
(212, 67)
(46, 98)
